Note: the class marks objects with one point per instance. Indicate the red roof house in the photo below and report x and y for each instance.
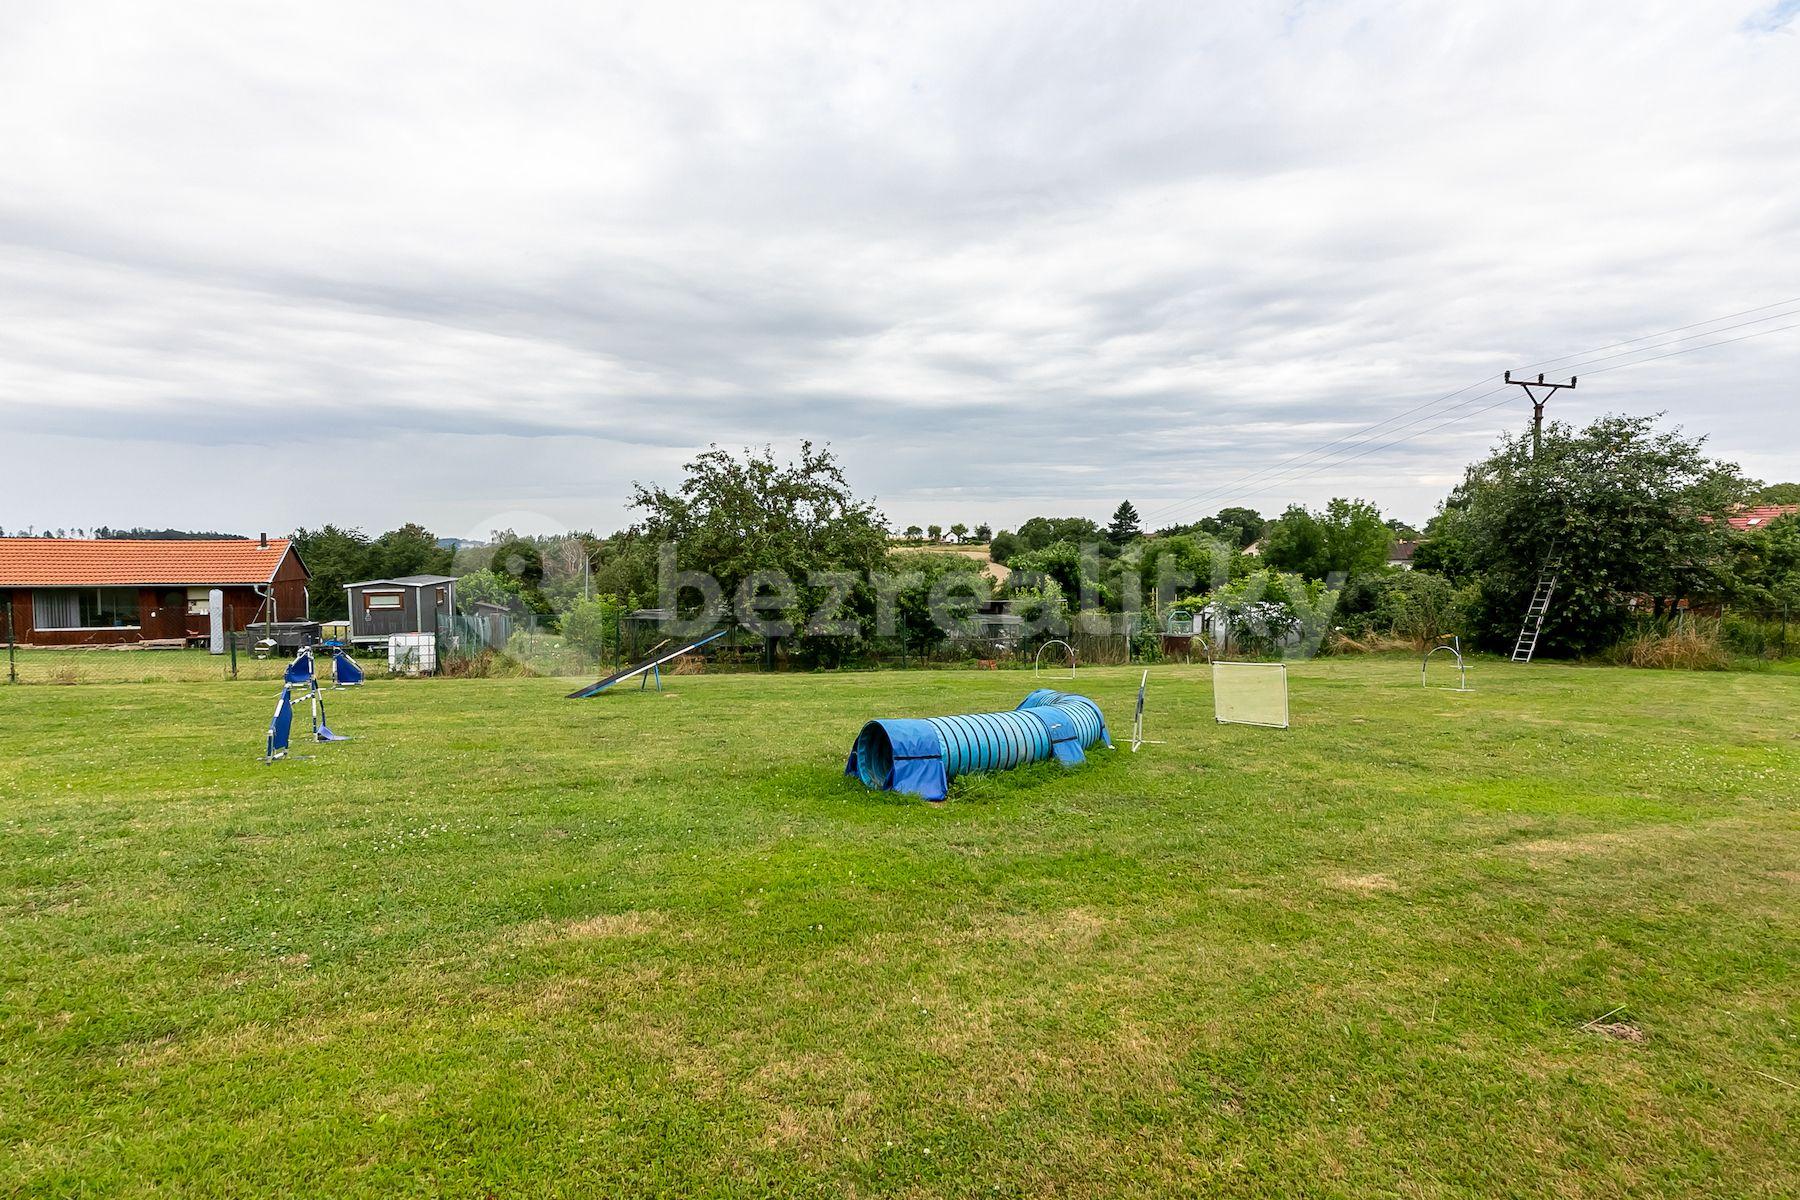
(1756, 516)
(75, 591)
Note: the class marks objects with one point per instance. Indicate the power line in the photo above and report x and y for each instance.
(1180, 504)
(1279, 469)
(1548, 362)
(1500, 403)
(1671, 354)
(1674, 341)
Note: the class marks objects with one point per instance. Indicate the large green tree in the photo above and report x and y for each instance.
(1237, 525)
(1040, 532)
(738, 517)
(1627, 510)
(335, 556)
(1348, 538)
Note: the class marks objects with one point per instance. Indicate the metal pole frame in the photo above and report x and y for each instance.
(1462, 667)
(1037, 663)
(1537, 404)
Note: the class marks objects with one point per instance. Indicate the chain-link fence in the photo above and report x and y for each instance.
(531, 645)
(505, 644)
(246, 654)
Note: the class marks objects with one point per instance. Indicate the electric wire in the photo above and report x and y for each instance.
(1282, 470)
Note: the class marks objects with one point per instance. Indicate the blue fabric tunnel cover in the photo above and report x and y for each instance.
(921, 755)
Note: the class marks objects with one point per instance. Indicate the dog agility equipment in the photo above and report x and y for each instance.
(920, 756)
(650, 668)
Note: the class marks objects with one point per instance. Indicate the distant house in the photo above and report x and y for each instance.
(1401, 555)
(116, 591)
(380, 608)
(1757, 516)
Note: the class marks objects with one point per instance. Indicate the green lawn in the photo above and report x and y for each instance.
(507, 944)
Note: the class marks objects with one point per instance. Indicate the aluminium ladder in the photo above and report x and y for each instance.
(1526, 646)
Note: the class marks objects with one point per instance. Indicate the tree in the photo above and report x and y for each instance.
(1179, 564)
(1630, 511)
(959, 531)
(1348, 538)
(914, 533)
(1124, 524)
(335, 556)
(1777, 493)
(1240, 527)
(734, 517)
(956, 582)
(1060, 562)
(592, 626)
(1003, 546)
(518, 560)
(935, 533)
(1296, 543)
(983, 532)
(1766, 567)
(1402, 530)
(1039, 532)
(409, 550)
(1446, 547)
(489, 587)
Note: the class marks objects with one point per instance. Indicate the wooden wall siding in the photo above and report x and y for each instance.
(242, 607)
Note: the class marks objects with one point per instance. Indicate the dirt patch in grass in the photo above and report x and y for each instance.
(1366, 885)
(1074, 927)
(1619, 1031)
(601, 926)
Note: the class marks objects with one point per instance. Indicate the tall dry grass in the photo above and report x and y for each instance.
(1688, 644)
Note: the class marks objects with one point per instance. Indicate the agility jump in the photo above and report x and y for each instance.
(301, 677)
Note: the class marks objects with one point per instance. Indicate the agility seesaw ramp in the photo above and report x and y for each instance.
(649, 664)
(920, 756)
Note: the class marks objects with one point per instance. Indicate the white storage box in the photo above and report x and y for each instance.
(412, 654)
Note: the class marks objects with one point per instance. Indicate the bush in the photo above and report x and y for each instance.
(548, 654)
(592, 626)
(1266, 611)
(1418, 607)
(1761, 637)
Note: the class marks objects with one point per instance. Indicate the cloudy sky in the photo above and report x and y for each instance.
(484, 265)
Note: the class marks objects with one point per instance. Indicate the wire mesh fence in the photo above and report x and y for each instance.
(513, 644)
(532, 645)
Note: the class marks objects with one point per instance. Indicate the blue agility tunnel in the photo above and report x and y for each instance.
(921, 755)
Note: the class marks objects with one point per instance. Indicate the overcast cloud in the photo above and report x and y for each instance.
(479, 265)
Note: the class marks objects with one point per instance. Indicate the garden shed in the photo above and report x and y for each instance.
(380, 608)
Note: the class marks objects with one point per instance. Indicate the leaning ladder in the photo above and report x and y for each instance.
(1526, 646)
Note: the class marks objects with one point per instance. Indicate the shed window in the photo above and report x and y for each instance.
(199, 602)
(374, 600)
(84, 608)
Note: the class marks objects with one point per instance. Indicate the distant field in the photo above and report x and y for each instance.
(976, 550)
(1540, 939)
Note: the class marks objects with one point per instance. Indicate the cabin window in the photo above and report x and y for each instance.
(443, 597)
(199, 602)
(379, 600)
(84, 608)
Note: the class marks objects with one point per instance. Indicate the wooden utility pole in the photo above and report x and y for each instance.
(1537, 403)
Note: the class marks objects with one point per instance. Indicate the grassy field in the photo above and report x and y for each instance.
(1540, 939)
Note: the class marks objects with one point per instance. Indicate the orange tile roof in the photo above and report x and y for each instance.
(104, 562)
(1759, 515)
